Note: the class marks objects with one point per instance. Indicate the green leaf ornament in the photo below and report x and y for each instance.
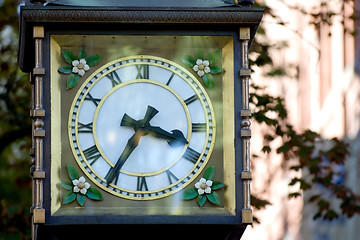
(210, 173)
(67, 185)
(80, 199)
(201, 200)
(213, 197)
(72, 80)
(93, 60)
(82, 53)
(208, 80)
(199, 54)
(188, 60)
(216, 185)
(190, 194)
(213, 56)
(94, 194)
(69, 56)
(67, 69)
(215, 69)
(73, 174)
(69, 197)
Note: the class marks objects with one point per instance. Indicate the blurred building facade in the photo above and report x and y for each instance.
(322, 93)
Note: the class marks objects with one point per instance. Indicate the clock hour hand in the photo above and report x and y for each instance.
(128, 121)
(174, 138)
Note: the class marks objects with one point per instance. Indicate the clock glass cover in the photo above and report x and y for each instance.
(143, 122)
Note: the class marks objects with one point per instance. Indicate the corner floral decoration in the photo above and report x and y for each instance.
(204, 66)
(205, 189)
(77, 65)
(78, 188)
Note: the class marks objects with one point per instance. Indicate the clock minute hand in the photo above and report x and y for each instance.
(129, 148)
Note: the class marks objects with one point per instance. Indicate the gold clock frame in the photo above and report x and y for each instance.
(38, 114)
(228, 121)
(157, 59)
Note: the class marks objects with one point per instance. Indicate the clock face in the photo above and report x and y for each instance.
(141, 127)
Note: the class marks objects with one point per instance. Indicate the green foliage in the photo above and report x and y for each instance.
(15, 132)
(302, 147)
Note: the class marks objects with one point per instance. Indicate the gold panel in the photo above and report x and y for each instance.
(38, 32)
(38, 215)
(247, 216)
(244, 33)
(170, 47)
(229, 126)
(55, 112)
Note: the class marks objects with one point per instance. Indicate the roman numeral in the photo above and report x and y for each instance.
(85, 128)
(114, 78)
(191, 155)
(96, 101)
(191, 99)
(141, 184)
(142, 71)
(171, 176)
(92, 154)
(199, 127)
(171, 77)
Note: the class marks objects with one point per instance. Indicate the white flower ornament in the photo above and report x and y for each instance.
(203, 186)
(201, 67)
(80, 66)
(80, 185)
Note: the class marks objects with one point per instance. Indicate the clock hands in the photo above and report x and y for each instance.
(130, 146)
(142, 128)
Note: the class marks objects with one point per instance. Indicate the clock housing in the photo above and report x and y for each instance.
(123, 30)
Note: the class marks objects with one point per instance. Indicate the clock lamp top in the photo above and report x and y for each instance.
(139, 14)
(149, 3)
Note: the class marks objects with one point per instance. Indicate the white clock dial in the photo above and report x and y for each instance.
(142, 127)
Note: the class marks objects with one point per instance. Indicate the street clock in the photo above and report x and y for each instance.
(140, 117)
